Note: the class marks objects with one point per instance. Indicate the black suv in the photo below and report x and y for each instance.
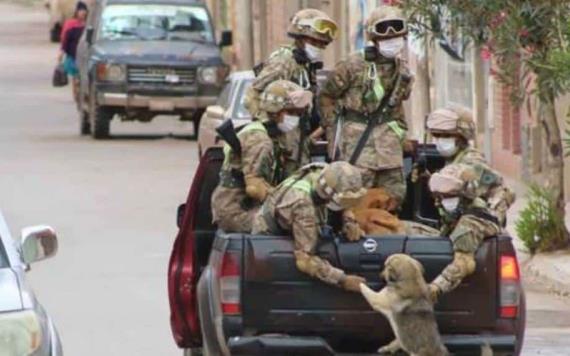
(141, 58)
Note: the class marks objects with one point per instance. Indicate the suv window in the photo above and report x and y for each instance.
(240, 112)
(224, 98)
(156, 22)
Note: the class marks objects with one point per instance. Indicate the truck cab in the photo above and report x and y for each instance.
(142, 58)
(242, 294)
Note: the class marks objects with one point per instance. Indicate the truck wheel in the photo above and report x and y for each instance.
(84, 124)
(193, 352)
(55, 33)
(100, 121)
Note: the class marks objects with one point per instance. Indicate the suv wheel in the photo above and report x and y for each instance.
(100, 121)
(84, 124)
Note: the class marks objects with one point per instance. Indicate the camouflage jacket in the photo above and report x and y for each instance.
(290, 209)
(490, 187)
(281, 64)
(347, 92)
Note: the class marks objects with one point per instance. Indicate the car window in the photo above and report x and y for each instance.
(224, 98)
(155, 22)
(240, 112)
(3, 256)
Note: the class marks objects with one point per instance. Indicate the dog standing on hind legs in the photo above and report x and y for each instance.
(405, 302)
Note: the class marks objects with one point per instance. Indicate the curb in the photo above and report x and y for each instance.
(545, 268)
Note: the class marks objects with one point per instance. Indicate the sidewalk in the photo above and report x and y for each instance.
(551, 268)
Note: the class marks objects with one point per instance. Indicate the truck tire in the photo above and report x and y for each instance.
(100, 122)
(193, 352)
(55, 33)
(84, 124)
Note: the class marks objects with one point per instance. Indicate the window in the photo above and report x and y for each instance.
(240, 112)
(156, 22)
(3, 257)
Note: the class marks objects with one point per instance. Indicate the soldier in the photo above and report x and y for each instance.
(367, 90)
(298, 206)
(466, 219)
(452, 129)
(250, 170)
(313, 31)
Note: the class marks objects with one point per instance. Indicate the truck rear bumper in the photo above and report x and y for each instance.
(269, 345)
(155, 103)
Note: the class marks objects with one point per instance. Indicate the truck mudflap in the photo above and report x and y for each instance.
(288, 345)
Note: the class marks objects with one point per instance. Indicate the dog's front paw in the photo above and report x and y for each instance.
(390, 349)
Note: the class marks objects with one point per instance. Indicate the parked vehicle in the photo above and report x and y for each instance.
(25, 327)
(244, 293)
(229, 105)
(142, 58)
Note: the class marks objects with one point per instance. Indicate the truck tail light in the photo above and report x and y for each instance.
(230, 284)
(510, 286)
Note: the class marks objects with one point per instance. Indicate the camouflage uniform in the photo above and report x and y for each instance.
(232, 209)
(292, 209)
(346, 92)
(247, 177)
(286, 65)
(282, 65)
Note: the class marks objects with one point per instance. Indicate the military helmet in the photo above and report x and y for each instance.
(284, 94)
(452, 120)
(455, 180)
(314, 24)
(341, 183)
(386, 22)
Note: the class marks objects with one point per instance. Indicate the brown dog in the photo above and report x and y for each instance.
(405, 302)
(373, 214)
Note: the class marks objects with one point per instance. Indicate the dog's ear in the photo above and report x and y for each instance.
(392, 275)
(419, 266)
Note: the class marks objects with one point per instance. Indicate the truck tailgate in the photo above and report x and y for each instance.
(276, 297)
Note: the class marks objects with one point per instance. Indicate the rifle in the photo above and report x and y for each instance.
(228, 133)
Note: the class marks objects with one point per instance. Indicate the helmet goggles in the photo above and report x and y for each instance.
(319, 25)
(388, 28)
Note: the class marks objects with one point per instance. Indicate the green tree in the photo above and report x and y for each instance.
(529, 42)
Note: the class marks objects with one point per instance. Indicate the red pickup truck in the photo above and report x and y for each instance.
(241, 294)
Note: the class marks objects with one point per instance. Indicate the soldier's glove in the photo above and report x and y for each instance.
(256, 187)
(352, 282)
(434, 292)
(350, 226)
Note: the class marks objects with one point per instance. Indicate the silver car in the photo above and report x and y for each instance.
(25, 327)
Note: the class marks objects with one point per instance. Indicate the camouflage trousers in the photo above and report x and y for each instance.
(228, 212)
(466, 238)
(392, 180)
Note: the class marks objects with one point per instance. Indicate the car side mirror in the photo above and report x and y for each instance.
(180, 215)
(227, 39)
(89, 35)
(38, 243)
(215, 112)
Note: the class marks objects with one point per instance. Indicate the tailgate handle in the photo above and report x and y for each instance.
(370, 261)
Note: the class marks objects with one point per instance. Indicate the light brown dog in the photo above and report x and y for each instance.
(405, 302)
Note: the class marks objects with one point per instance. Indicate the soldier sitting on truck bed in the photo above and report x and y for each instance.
(472, 209)
(252, 166)
(298, 206)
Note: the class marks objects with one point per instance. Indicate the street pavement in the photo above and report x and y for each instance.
(113, 204)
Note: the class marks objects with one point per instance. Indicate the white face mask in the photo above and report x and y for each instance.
(446, 146)
(334, 206)
(289, 123)
(314, 53)
(450, 204)
(391, 48)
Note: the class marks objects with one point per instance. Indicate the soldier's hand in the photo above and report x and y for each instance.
(410, 146)
(434, 292)
(352, 283)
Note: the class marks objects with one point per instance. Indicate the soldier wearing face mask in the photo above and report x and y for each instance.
(312, 31)
(298, 206)
(367, 89)
(452, 129)
(466, 219)
(249, 174)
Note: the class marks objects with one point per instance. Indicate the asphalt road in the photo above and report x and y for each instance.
(113, 204)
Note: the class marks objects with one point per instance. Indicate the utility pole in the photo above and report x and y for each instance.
(243, 40)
